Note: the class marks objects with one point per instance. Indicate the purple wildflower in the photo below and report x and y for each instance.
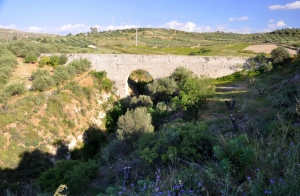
(249, 178)
(120, 192)
(156, 189)
(176, 187)
(272, 181)
(132, 184)
(268, 192)
(199, 184)
(281, 181)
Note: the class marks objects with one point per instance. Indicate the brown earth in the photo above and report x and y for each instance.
(267, 48)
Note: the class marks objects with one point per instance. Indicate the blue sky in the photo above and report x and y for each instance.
(74, 16)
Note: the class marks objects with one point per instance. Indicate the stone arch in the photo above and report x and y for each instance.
(147, 70)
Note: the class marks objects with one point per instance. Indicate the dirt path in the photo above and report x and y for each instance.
(23, 72)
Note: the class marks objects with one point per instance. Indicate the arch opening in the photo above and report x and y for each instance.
(137, 81)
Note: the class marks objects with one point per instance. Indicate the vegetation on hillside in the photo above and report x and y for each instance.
(182, 135)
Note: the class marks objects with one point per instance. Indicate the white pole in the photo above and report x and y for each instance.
(136, 38)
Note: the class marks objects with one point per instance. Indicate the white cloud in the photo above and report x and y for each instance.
(289, 6)
(238, 19)
(188, 26)
(35, 29)
(271, 20)
(280, 23)
(11, 26)
(111, 27)
(69, 28)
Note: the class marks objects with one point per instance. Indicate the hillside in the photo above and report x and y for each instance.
(63, 129)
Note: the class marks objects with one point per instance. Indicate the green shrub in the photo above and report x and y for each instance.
(279, 55)
(141, 101)
(81, 65)
(180, 74)
(235, 155)
(63, 59)
(14, 89)
(42, 83)
(30, 58)
(45, 60)
(161, 89)
(39, 73)
(60, 75)
(134, 123)
(187, 141)
(75, 174)
(54, 61)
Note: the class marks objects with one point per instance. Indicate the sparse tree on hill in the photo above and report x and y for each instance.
(134, 123)
(194, 93)
(279, 55)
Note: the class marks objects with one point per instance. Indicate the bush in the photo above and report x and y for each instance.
(39, 73)
(134, 123)
(235, 155)
(60, 75)
(30, 58)
(75, 174)
(141, 101)
(81, 65)
(42, 83)
(279, 55)
(180, 74)
(63, 59)
(161, 89)
(188, 141)
(45, 60)
(54, 61)
(14, 89)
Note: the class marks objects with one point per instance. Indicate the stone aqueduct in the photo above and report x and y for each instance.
(120, 66)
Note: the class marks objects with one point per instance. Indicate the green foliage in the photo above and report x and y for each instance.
(134, 123)
(54, 61)
(235, 155)
(42, 83)
(260, 58)
(180, 74)
(141, 101)
(194, 93)
(60, 75)
(112, 116)
(63, 59)
(102, 80)
(39, 73)
(161, 89)
(30, 58)
(75, 174)
(201, 51)
(279, 55)
(45, 60)
(81, 65)
(14, 89)
(185, 141)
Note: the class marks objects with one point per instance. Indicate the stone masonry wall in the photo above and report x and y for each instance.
(120, 66)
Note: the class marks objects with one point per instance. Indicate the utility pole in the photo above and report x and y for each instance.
(136, 37)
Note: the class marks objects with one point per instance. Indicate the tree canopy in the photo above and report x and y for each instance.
(194, 93)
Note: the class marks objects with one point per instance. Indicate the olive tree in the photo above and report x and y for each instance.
(194, 93)
(134, 123)
(161, 89)
(180, 74)
(279, 54)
